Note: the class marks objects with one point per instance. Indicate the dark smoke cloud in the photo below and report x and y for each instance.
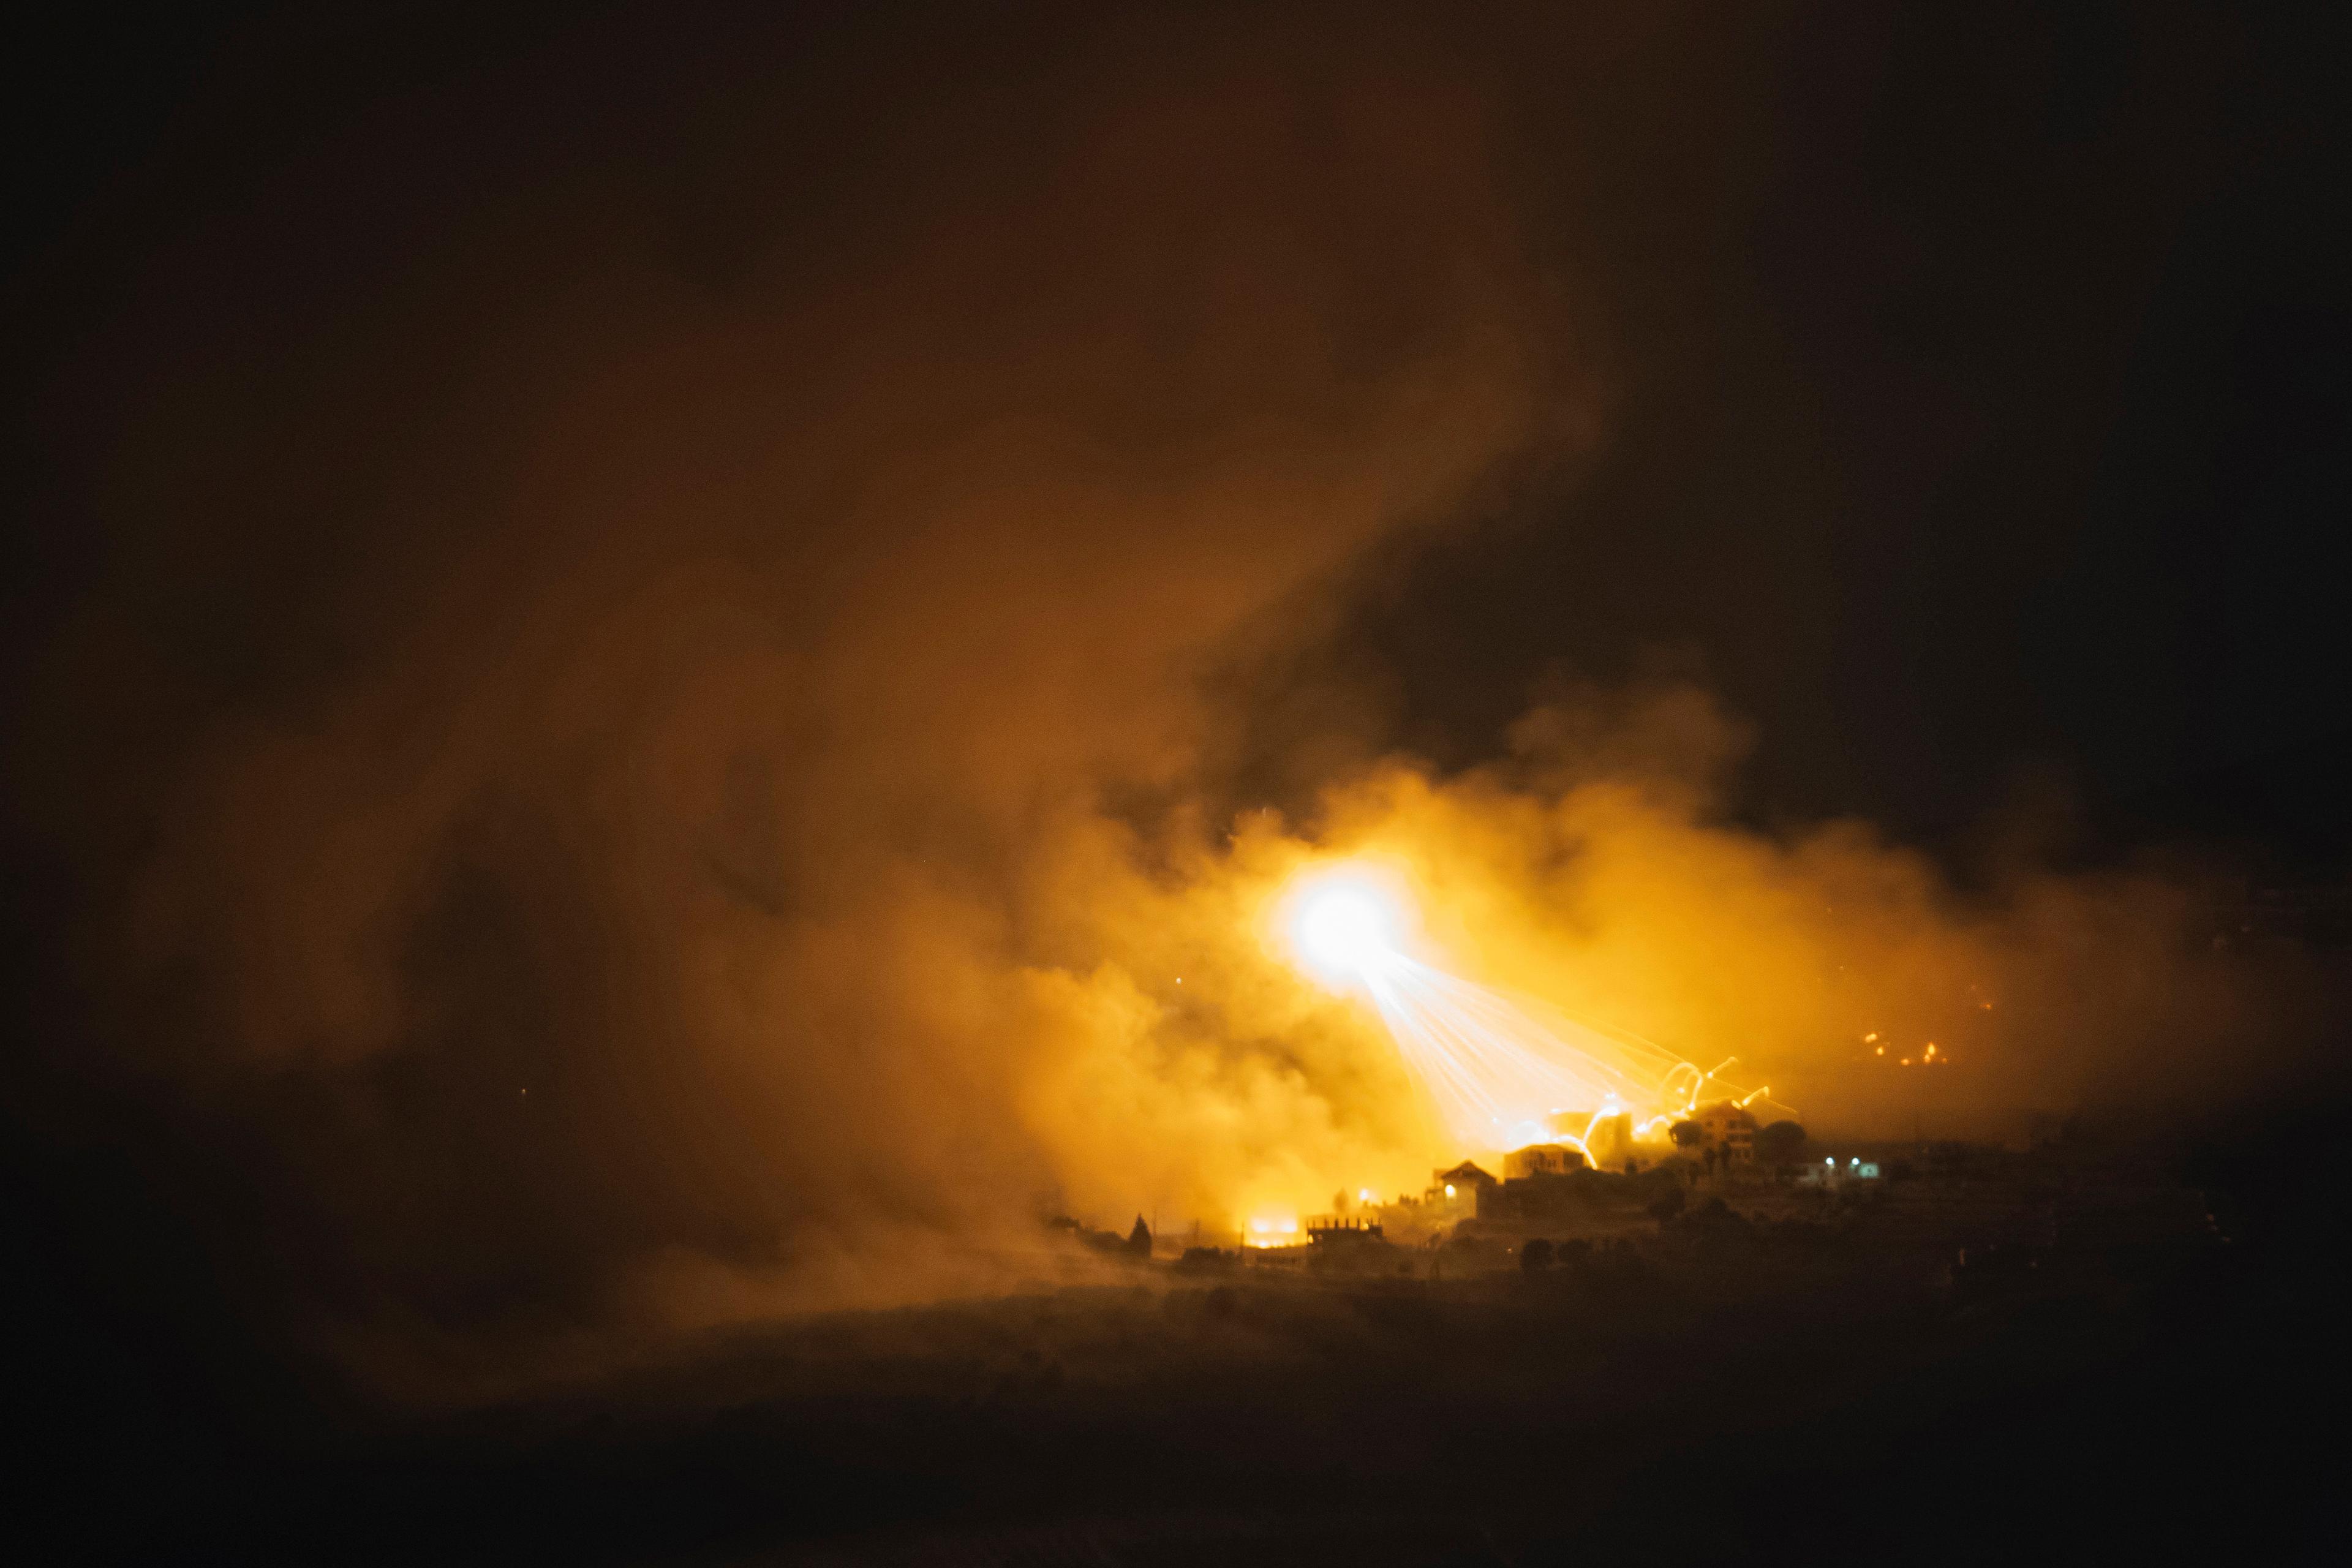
(641, 716)
(599, 619)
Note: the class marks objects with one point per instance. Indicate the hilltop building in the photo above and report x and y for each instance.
(1728, 1130)
(1454, 1192)
(1540, 1160)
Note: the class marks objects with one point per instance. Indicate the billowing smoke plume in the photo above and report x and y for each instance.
(1185, 1063)
(647, 749)
(599, 691)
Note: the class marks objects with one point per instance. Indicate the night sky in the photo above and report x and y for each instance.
(1975, 382)
(1981, 403)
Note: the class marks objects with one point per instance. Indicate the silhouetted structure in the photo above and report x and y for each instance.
(1457, 1192)
(1541, 1159)
(1728, 1130)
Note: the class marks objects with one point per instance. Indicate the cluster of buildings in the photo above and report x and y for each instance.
(1548, 1182)
(2031, 1209)
(1539, 1181)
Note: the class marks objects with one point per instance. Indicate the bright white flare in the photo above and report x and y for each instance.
(1498, 1073)
(1343, 930)
(1345, 924)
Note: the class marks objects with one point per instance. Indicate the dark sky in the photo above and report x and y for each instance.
(1976, 379)
(1984, 417)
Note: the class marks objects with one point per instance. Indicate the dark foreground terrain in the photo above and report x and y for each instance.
(1718, 1393)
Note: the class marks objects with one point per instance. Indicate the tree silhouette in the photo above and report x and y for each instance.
(1780, 1143)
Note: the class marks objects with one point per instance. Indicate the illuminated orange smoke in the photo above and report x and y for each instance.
(1520, 912)
(1497, 1076)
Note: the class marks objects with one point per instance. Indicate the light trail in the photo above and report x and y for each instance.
(1498, 1076)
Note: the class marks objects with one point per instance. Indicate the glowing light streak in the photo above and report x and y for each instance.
(1497, 1072)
